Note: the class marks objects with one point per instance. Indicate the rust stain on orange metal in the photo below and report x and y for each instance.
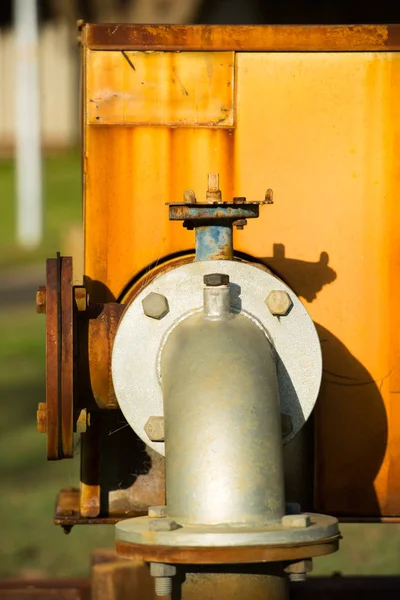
(322, 129)
(160, 88)
(134, 171)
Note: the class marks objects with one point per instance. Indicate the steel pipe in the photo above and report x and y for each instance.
(222, 423)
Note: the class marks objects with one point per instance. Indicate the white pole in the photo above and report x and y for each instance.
(27, 119)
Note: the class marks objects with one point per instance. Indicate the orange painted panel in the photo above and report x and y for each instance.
(160, 88)
(323, 131)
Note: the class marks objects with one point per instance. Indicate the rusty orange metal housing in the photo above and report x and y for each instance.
(312, 112)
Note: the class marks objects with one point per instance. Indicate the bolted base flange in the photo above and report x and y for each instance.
(297, 537)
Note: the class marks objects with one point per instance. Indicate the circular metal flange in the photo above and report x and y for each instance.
(59, 358)
(226, 544)
(138, 340)
(139, 531)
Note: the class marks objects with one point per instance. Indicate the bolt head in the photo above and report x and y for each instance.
(215, 279)
(80, 295)
(301, 567)
(189, 197)
(296, 521)
(41, 300)
(279, 303)
(155, 306)
(41, 417)
(157, 512)
(163, 525)
(162, 570)
(154, 428)
(82, 421)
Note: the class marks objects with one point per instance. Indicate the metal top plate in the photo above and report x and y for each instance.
(139, 338)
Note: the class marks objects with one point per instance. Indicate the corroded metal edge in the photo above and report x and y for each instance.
(68, 512)
(226, 555)
(268, 38)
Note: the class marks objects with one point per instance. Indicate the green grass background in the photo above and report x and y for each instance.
(30, 543)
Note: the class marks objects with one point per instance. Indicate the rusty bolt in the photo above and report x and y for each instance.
(155, 306)
(269, 197)
(157, 512)
(154, 428)
(163, 525)
(213, 193)
(189, 197)
(41, 418)
(279, 303)
(240, 223)
(41, 300)
(296, 521)
(215, 279)
(80, 295)
(298, 571)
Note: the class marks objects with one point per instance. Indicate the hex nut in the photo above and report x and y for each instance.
(155, 306)
(215, 279)
(154, 428)
(162, 570)
(157, 512)
(301, 566)
(80, 296)
(279, 303)
(163, 525)
(296, 521)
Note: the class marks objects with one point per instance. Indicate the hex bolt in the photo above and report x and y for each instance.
(213, 193)
(41, 300)
(162, 574)
(240, 223)
(41, 417)
(215, 279)
(81, 298)
(155, 306)
(269, 196)
(297, 571)
(157, 512)
(158, 525)
(296, 521)
(189, 197)
(154, 428)
(279, 303)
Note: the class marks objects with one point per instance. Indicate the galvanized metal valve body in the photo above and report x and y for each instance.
(222, 419)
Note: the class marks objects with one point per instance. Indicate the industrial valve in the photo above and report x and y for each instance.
(215, 365)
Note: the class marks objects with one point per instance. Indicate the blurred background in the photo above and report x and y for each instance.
(42, 215)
